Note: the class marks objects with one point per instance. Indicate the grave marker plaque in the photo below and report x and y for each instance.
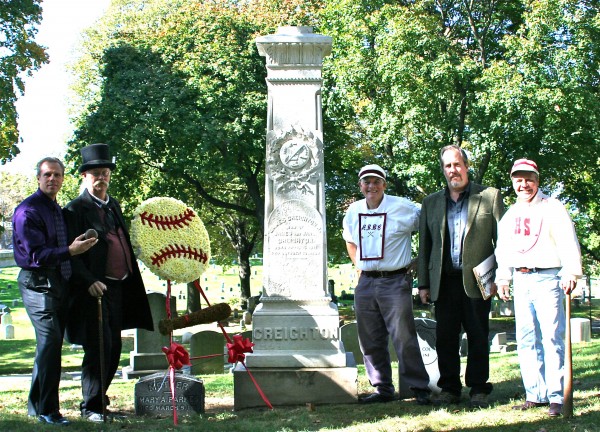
(153, 395)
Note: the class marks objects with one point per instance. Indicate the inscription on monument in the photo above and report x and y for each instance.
(295, 244)
(153, 395)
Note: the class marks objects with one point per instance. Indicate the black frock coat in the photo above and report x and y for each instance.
(89, 267)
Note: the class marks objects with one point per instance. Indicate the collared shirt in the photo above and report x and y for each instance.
(456, 218)
(393, 222)
(537, 234)
(35, 244)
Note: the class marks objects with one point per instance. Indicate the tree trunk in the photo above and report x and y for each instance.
(193, 298)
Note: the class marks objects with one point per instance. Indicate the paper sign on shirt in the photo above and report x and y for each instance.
(372, 235)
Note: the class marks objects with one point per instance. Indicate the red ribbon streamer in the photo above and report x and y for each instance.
(177, 356)
(237, 348)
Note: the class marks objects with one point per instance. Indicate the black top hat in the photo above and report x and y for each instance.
(96, 156)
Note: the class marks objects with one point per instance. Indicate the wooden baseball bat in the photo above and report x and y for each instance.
(568, 391)
(216, 312)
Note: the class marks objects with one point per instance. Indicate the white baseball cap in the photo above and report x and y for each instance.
(371, 171)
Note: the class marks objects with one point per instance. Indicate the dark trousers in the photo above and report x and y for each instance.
(454, 309)
(45, 302)
(91, 384)
(384, 311)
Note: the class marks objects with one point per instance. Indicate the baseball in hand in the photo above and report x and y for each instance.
(170, 239)
(91, 233)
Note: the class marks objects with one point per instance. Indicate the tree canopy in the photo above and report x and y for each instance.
(177, 89)
(20, 55)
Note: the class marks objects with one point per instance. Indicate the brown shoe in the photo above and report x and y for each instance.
(528, 405)
(555, 410)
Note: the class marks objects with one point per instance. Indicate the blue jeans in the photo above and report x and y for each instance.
(540, 325)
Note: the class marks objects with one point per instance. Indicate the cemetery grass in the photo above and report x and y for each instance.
(394, 416)
(16, 358)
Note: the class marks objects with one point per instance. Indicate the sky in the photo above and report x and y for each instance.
(43, 117)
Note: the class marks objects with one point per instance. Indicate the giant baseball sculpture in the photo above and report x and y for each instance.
(170, 239)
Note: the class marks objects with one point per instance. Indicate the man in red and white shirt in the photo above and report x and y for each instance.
(538, 249)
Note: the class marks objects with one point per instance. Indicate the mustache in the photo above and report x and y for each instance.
(100, 182)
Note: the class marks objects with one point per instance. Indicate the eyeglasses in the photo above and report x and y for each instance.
(99, 173)
(376, 181)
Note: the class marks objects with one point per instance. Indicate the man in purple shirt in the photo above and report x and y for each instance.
(41, 250)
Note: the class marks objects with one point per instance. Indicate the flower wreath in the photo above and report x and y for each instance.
(170, 239)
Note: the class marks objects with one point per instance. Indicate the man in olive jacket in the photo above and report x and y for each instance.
(108, 272)
(457, 231)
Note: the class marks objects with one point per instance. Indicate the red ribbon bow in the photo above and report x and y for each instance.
(238, 347)
(177, 356)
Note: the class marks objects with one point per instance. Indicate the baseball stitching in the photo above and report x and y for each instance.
(178, 251)
(167, 222)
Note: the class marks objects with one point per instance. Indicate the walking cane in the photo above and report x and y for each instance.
(568, 396)
(101, 344)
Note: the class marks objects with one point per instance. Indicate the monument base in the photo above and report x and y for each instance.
(296, 386)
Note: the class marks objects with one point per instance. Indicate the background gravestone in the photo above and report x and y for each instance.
(205, 343)
(147, 356)
(426, 336)
(153, 395)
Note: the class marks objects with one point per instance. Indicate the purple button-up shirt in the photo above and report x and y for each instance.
(34, 233)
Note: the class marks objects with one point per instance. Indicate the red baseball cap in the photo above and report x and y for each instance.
(524, 165)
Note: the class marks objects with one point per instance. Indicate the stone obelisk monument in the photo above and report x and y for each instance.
(298, 355)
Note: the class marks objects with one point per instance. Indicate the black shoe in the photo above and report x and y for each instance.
(446, 398)
(54, 419)
(423, 397)
(376, 398)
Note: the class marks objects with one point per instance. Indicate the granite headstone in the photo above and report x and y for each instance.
(153, 395)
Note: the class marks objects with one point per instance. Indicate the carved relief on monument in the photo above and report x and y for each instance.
(295, 251)
(293, 159)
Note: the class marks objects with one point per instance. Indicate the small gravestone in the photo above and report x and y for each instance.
(426, 336)
(581, 330)
(499, 343)
(464, 345)
(207, 343)
(8, 331)
(349, 337)
(153, 395)
(186, 337)
(147, 356)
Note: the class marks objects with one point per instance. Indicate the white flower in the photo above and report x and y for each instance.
(170, 239)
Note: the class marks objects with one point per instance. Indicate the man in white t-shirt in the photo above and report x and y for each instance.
(538, 250)
(378, 231)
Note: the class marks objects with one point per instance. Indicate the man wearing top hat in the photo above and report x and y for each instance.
(538, 249)
(378, 231)
(108, 271)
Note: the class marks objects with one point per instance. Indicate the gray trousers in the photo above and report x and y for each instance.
(383, 307)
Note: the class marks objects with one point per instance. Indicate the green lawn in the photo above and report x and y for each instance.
(16, 357)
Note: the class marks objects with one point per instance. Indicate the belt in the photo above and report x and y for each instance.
(532, 269)
(383, 273)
